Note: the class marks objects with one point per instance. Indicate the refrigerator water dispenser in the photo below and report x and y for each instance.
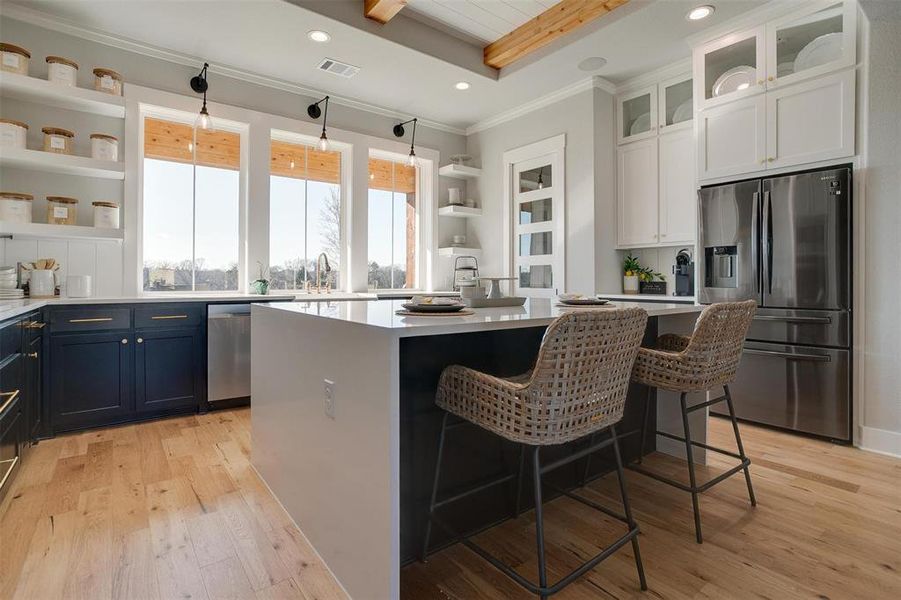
(721, 266)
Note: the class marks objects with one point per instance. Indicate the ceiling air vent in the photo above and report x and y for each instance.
(330, 65)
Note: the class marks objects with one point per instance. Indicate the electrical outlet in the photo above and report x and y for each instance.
(329, 387)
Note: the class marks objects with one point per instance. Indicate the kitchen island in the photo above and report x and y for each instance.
(345, 428)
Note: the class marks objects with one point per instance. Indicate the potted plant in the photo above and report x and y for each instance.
(261, 284)
(631, 269)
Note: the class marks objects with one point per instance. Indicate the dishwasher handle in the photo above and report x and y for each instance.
(229, 316)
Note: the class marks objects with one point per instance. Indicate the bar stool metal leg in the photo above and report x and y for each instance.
(620, 475)
(522, 463)
(644, 423)
(691, 468)
(428, 524)
(539, 521)
(741, 449)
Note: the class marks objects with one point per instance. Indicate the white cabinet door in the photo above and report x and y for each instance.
(732, 138)
(811, 121)
(678, 196)
(729, 68)
(636, 115)
(636, 193)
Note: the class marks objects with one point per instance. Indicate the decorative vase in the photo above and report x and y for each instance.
(630, 284)
(260, 287)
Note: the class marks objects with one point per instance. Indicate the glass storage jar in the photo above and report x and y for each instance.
(104, 147)
(107, 81)
(62, 210)
(15, 207)
(58, 140)
(13, 134)
(106, 215)
(14, 59)
(61, 70)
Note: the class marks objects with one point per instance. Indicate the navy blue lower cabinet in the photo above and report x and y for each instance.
(91, 379)
(168, 369)
(33, 356)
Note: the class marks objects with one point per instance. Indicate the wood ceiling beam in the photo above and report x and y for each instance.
(555, 22)
(382, 11)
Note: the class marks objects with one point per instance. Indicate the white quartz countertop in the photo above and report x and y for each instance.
(382, 315)
(650, 298)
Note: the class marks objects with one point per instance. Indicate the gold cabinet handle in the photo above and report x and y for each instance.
(92, 320)
(162, 317)
(771, 159)
(770, 78)
(34, 325)
(12, 396)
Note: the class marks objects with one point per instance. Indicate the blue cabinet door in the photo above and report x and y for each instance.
(34, 355)
(91, 379)
(168, 369)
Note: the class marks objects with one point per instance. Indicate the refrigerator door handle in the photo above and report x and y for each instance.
(789, 355)
(805, 320)
(767, 258)
(755, 241)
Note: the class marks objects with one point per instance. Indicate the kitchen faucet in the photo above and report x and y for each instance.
(322, 256)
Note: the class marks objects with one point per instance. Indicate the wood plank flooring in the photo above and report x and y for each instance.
(171, 509)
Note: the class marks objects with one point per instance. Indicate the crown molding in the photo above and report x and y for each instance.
(533, 105)
(24, 14)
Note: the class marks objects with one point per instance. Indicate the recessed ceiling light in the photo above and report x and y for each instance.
(462, 85)
(318, 35)
(700, 12)
(592, 63)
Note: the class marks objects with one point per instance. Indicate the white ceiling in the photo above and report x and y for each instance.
(485, 20)
(267, 38)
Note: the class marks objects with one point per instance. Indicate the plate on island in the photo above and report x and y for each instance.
(579, 300)
(438, 307)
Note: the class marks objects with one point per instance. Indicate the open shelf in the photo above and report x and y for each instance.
(33, 89)
(459, 251)
(38, 160)
(459, 172)
(49, 230)
(459, 211)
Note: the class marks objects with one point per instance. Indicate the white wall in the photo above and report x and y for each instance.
(881, 138)
(167, 76)
(586, 119)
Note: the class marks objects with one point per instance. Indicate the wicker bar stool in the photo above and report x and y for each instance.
(576, 389)
(706, 360)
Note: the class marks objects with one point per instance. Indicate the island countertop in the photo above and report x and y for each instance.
(383, 315)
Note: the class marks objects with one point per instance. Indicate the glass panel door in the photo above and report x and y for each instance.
(637, 115)
(537, 240)
(675, 105)
(817, 40)
(730, 68)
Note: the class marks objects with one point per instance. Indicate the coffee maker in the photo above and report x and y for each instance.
(684, 270)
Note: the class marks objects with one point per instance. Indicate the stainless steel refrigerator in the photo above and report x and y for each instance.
(786, 242)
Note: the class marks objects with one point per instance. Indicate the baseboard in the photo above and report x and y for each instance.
(881, 441)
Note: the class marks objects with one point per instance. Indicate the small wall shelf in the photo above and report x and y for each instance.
(459, 211)
(49, 230)
(33, 89)
(459, 251)
(38, 160)
(459, 172)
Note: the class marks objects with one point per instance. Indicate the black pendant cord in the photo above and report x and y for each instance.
(413, 137)
(324, 115)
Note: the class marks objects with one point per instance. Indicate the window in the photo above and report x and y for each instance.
(393, 231)
(191, 208)
(304, 215)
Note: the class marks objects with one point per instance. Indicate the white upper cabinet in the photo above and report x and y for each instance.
(811, 121)
(732, 138)
(675, 108)
(730, 68)
(636, 115)
(678, 193)
(816, 40)
(636, 193)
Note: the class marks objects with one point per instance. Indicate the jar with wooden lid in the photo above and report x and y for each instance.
(15, 207)
(13, 134)
(107, 81)
(61, 70)
(58, 140)
(106, 215)
(104, 147)
(62, 210)
(14, 59)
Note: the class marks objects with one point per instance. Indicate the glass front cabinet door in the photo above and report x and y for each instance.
(810, 42)
(636, 115)
(730, 68)
(675, 107)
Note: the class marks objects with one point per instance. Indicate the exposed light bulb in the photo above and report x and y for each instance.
(371, 176)
(190, 147)
(540, 185)
(204, 121)
(292, 164)
(323, 142)
(412, 160)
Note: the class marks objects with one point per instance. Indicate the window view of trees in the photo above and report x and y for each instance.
(392, 236)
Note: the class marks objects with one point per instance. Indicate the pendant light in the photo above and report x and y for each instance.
(540, 180)
(315, 112)
(200, 85)
(399, 132)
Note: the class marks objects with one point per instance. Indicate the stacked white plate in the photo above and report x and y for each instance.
(8, 283)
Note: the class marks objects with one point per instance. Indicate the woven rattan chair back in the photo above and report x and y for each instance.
(710, 357)
(578, 385)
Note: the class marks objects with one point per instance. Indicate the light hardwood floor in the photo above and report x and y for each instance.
(171, 509)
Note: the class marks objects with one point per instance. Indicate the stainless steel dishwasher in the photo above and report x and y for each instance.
(228, 354)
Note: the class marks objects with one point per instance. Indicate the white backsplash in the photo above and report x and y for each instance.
(101, 260)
